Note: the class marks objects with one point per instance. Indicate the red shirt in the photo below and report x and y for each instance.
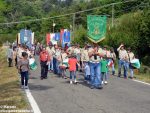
(44, 56)
(72, 64)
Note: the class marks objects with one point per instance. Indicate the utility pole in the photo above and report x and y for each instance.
(112, 21)
(73, 27)
(54, 26)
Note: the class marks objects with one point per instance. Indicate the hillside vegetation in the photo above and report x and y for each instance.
(131, 21)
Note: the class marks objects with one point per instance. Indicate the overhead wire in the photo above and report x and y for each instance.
(134, 7)
(34, 20)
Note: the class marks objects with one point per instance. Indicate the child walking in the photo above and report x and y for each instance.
(87, 72)
(23, 68)
(104, 70)
(72, 68)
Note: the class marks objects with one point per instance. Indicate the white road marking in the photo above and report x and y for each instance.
(142, 82)
(32, 101)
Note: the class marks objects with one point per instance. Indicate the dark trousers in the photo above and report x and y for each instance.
(24, 77)
(16, 61)
(44, 69)
(55, 66)
(10, 62)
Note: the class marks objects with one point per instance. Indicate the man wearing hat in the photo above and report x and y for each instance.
(123, 60)
(44, 61)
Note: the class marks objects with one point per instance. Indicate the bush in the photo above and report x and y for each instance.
(146, 60)
(144, 70)
(1, 43)
(133, 30)
(80, 36)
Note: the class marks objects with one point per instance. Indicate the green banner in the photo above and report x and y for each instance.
(96, 27)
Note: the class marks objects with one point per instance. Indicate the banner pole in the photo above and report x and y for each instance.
(113, 15)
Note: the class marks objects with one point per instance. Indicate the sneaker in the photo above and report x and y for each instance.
(45, 77)
(102, 82)
(119, 75)
(26, 87)
(70, 82)
(105, 82)
(65, 77)
(99, 87)
(88, 82)
(22, 87)
(92, 87)
(113, 73)
(125, 77)
(75, 81)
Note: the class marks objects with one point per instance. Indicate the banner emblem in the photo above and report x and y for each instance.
(96, 27)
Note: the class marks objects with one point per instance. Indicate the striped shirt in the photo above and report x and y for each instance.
(84, 56)
(94, 58)
(123, 55)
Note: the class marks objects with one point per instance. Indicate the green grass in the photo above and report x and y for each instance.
(143, 77)
(10, 91)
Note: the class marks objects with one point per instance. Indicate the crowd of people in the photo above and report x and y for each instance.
(97, 63)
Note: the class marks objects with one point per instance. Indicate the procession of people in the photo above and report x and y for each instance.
(95, 62)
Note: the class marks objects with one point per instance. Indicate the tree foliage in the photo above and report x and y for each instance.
(132, 24)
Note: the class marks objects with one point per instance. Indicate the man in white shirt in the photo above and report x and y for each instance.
(123, 60)
(51, 51)
(94, 63)
(56, 61)
(85, 62)
(10, 55)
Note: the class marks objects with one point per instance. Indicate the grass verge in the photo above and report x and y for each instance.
(143, 77)
(10, 91)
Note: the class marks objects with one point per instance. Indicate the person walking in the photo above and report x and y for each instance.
(94, 63)
(72, 68)
(123, 60)
(77, 52)
(85, 62)
(23, 69)
(44, 61)
(15, 56)
(112, 60)
(10, 56)
(63, 63)
(51, 52)
(131, 57)
(56, 61)
(104, 70)
(57, 56)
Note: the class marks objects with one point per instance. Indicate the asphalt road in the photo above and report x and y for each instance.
(56, 95)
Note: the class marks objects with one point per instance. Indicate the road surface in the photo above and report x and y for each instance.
(56, 95)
